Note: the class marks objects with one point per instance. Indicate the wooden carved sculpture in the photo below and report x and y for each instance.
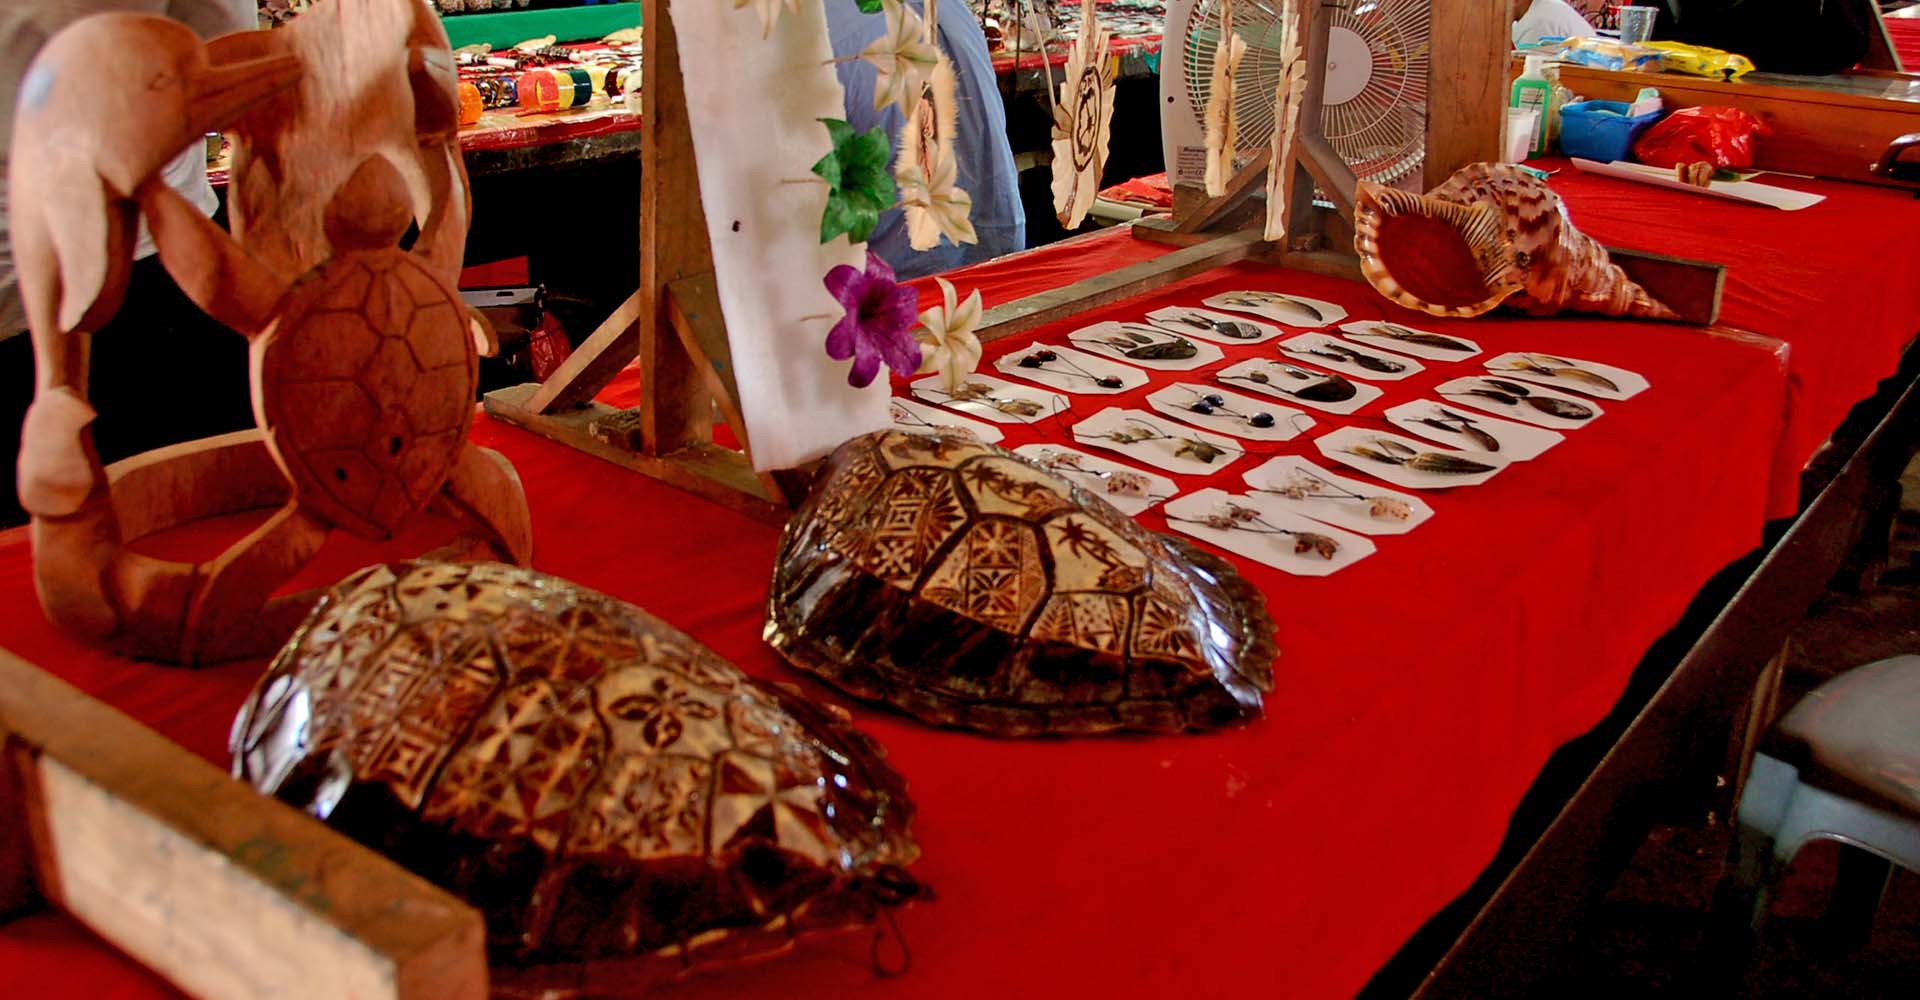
(363, 358)
(972, 587)
(1492, 234)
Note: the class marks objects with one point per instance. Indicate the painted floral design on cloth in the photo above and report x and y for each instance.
(876, 328)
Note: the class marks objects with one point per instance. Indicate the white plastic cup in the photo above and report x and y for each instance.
(1636, 24)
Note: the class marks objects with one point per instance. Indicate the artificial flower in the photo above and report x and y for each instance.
(902, 58)
(934, 207)
(769, 11)
(1082, 121)
(859, 187)
(880, 312)
(947, 341)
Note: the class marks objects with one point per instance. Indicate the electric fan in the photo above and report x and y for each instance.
(1375, 113)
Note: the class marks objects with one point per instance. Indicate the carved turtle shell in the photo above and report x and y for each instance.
(365, 388)
(596, 782)
(971, 587)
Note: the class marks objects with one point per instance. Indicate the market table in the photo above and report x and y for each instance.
(1418, 692)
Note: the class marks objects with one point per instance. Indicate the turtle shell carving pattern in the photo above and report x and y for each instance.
(970, 587)
(596, 782)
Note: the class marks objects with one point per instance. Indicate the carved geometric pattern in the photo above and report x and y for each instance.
(524, 767)
(1093, 621)
(1165, 628)
(993, 576)
(918, 511)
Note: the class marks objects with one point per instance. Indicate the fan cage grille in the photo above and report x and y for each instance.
(1380, 132)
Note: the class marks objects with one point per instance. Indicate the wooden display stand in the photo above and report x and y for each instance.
(228, 894)
(672, 325)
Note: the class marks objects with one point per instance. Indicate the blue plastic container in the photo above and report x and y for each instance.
(1601, 130)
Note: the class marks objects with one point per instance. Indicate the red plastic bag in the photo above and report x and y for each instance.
(1717, 135)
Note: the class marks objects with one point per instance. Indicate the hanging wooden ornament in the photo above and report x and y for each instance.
(902, 58)
(1082, 121)
(927, 169)
(1222, 129)
(1287, 98)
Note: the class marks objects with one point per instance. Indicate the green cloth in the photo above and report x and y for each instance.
(567, 24)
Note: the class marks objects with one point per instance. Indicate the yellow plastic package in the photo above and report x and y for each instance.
(1699, 60)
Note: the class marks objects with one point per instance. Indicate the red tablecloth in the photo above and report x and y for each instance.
(1905, 32)
(1418, 694)
(1836, 281)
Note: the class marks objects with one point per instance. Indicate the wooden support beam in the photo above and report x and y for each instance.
(228, 894)
(1465, 96)
(1144, 278)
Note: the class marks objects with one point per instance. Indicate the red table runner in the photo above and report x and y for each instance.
(1418, 692)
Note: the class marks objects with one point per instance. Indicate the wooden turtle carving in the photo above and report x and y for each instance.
(971, 587)
(601, 786)
(364, 362)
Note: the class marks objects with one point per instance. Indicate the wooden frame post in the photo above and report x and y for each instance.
(226, 893)
(672, 324)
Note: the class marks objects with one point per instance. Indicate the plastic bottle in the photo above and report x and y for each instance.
(1532, 91)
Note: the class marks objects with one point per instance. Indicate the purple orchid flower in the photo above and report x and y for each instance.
(880, 312)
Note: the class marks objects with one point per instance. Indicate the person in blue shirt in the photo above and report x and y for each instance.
(985, 159)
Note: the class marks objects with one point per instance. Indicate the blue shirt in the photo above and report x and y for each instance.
(985, 160)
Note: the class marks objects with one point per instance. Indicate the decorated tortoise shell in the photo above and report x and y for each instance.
(971, 587)
(596, 782)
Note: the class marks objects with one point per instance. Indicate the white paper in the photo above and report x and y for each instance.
(1281, 384)
(919, 418)
(1234, 414)
(1193, 321)
(1365, 331)
(1330, 353)
(1070, 370)
(1263, 540)
(1515, 365)
(1340, 507)
(1753, 192)
(754, 106)
(1000, 401)
(1164, 450)
(1106, 339)
(1128, 489)
(1460, 391)
(1339, 446)
(1517, 442)
(1281, 307)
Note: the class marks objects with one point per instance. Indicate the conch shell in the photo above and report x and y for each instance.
(1491, 234)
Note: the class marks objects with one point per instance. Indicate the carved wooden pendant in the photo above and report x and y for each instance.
(972, 587)
(1082, 121)
(599, 784)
